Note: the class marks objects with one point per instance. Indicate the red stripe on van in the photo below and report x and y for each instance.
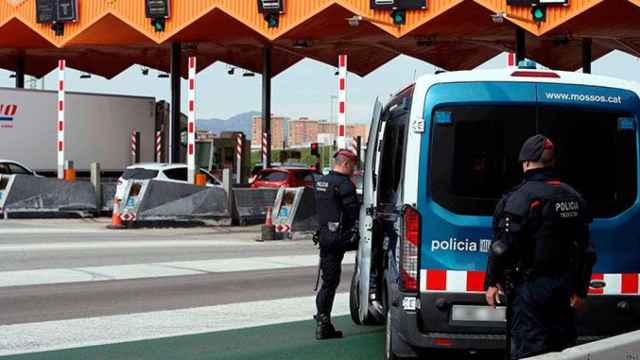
(437, 280)
(475, 281)
(596, 291)
(629, 283)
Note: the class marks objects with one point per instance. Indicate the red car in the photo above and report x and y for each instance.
(284, 177)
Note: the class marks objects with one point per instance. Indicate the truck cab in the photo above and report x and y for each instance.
(441, 154)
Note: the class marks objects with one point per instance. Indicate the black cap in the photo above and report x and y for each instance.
(533, 148)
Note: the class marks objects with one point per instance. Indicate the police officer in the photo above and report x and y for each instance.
(541, 255)
(337, 208)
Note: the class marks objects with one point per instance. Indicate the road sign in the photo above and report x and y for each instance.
(45, 11)
(66, 10)
(157, 9)
(398, 4)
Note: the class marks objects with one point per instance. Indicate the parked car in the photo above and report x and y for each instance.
(284, 177)
(177, 173)
(10, 167)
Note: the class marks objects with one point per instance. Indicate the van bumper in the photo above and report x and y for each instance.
(430, 326)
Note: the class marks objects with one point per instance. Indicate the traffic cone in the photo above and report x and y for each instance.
(268, 229)
(269, 217)
(116, 220)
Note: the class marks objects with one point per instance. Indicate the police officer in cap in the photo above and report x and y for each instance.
(338, 209)
(541, 255)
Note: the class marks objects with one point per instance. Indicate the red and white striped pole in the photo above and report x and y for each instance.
(354, 146)
(134, 146)
(191, 133)
(264, 149)
(159, 146)
(342, 100)
(511, 59)
(61, 107)
(239, 159)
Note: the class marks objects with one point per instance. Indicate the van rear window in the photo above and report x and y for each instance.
(474, 155)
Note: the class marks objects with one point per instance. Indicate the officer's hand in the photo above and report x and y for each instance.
(577, 302)
(493, 296)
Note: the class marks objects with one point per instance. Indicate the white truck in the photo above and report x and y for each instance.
(98, 128)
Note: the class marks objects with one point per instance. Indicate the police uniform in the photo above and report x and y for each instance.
(338, 209)
(544, 227)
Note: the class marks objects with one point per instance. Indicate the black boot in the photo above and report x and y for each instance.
(324, 328)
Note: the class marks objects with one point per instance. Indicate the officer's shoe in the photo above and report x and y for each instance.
(324, 328)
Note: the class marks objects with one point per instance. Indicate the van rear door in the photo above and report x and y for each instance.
(366, 211)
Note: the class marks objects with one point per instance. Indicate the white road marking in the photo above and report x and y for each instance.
(157, 270)
(74, 333)
(116, 244)
(49, 230)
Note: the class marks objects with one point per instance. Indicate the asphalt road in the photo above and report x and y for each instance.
(70, 289)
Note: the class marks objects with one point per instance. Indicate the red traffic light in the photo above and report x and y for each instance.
(315, 149)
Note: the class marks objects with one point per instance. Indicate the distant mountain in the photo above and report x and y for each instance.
(241, 122)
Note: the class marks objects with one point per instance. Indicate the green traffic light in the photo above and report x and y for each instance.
(399, 17)
(539, 14)
(272, 21)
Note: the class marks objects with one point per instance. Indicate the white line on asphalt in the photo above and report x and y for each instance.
(116, 244)
(48, 230)
(74, 333)
(157, 270)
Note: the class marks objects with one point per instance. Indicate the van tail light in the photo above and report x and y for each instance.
(409, 249)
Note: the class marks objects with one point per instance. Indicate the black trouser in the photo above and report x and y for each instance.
(331, 267)
(543, 319)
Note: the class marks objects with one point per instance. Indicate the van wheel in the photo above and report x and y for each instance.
(388, 339)
(354, 305)
(354, 300)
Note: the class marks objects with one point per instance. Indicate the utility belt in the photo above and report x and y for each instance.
(531, 274)
(331, 236)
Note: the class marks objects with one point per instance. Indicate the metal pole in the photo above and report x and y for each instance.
(342, 101)
(174, 129)
(521, 50)
(61, 126)
(239, 147)
(20, 72)
(191, 127)
(587, 55)
(266, 105)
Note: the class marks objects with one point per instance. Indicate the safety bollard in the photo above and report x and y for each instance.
(201, 179)
(69, 171)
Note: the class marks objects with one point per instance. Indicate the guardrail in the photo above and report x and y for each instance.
(622, 347)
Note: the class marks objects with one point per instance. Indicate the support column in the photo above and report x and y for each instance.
(191, 126)
(174, 129)
(266, 106)
(521, 49)
(20, 72)
(61, 126)
(587, 55)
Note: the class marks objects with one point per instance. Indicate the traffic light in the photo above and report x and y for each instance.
(399, 16)
(539, 13)
(158, 24)
(273, 20)
(315, 149)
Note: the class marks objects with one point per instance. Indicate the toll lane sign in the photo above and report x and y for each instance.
(52, 11)
(157, 9)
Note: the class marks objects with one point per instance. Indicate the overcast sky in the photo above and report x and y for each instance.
(303, 90)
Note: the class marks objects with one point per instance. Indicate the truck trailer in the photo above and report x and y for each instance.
(98, 128)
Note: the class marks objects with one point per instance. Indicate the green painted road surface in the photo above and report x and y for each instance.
(283, 341)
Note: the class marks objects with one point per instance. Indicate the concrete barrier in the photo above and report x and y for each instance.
(151, 202)
(622, 347)
(251, 204)
(294, 210)
(108, 193)
(31, 196)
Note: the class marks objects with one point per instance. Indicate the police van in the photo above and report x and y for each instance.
(441, 154)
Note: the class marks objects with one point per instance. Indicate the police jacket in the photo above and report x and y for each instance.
(544, 225)
(337, 207)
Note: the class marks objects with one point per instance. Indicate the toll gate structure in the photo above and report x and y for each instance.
(108, 36)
